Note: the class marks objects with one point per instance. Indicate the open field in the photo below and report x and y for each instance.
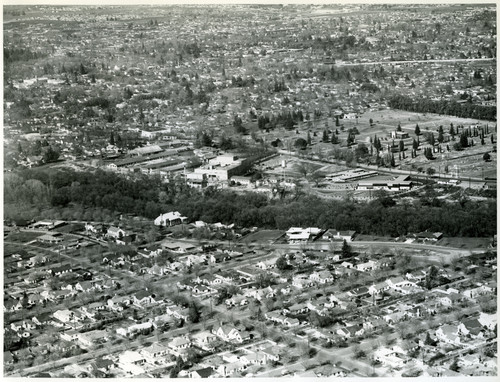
(23, 237)
(264, 236)
(465, 242)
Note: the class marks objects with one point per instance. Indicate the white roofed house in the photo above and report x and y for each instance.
(170, 219)
(368, 266)
(155, 353)
(115, 232)
(203, 339)
(333, 234)
(322, 277)
(300, 235)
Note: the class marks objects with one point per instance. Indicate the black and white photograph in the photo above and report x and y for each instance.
(256, 189)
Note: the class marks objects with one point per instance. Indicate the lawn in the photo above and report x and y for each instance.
(465, 242)
(263, 236)
(23, 237)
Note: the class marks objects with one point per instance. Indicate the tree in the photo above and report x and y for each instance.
(346, 249)
(238, 125)
(431, 277)
(430, 171)
(335, 140)
(50, 155)
(300, 144)
(308, 138)
(325, 136)
(417, 130)
(415, 144)
(194, 313)
(282, 263)
(112, 139)
(486, 157)
(401, 146)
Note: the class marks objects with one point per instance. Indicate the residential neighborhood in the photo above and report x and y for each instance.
(250, 190)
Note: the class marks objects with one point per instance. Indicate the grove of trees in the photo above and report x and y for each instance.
(149, 196)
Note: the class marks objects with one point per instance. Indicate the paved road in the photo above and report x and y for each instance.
(453, 60)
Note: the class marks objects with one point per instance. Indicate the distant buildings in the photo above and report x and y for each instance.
(170, 219)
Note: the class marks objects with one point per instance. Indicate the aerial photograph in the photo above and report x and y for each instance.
(250, 190)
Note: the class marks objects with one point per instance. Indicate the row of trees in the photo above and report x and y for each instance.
(462, 110)
(149, 196)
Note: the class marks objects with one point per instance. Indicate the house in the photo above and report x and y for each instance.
(429, 236)
(219, 257)
(252, 358)
(368, 266)
(125, 240)
(143, 298)
(179, 343)
(267, 264)
(398, 283)
(63, 269)
(70, 335)
(170, 219)
(94, 228)
(93, 337)
(448, 334)
(203, 339)
(393, 357)
(471, 327)
(231, 368)
(271, 353)
(104, 365)
(333, 234)
(131, 327)
(296, 309)
(302, 282)
(322, 277)
(66, 316)
(230, 333)
(155, 352)
(351, 331)
(237, 300)
(131, 361)
(118, 303)
(378, 288)
(178, 312)
(248, 273)
(450, 299)
(176, 266)
(180, 248)
(192, 260)
(85, 286)
(95, 306)
(399, 134)
(488, 320)
(12, 305)
(300, 235)
(115, 233)
(202, 373)
(51, 238)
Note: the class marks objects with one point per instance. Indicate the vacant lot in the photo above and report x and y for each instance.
(465, 242)
(23, 237)
(266, 236)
